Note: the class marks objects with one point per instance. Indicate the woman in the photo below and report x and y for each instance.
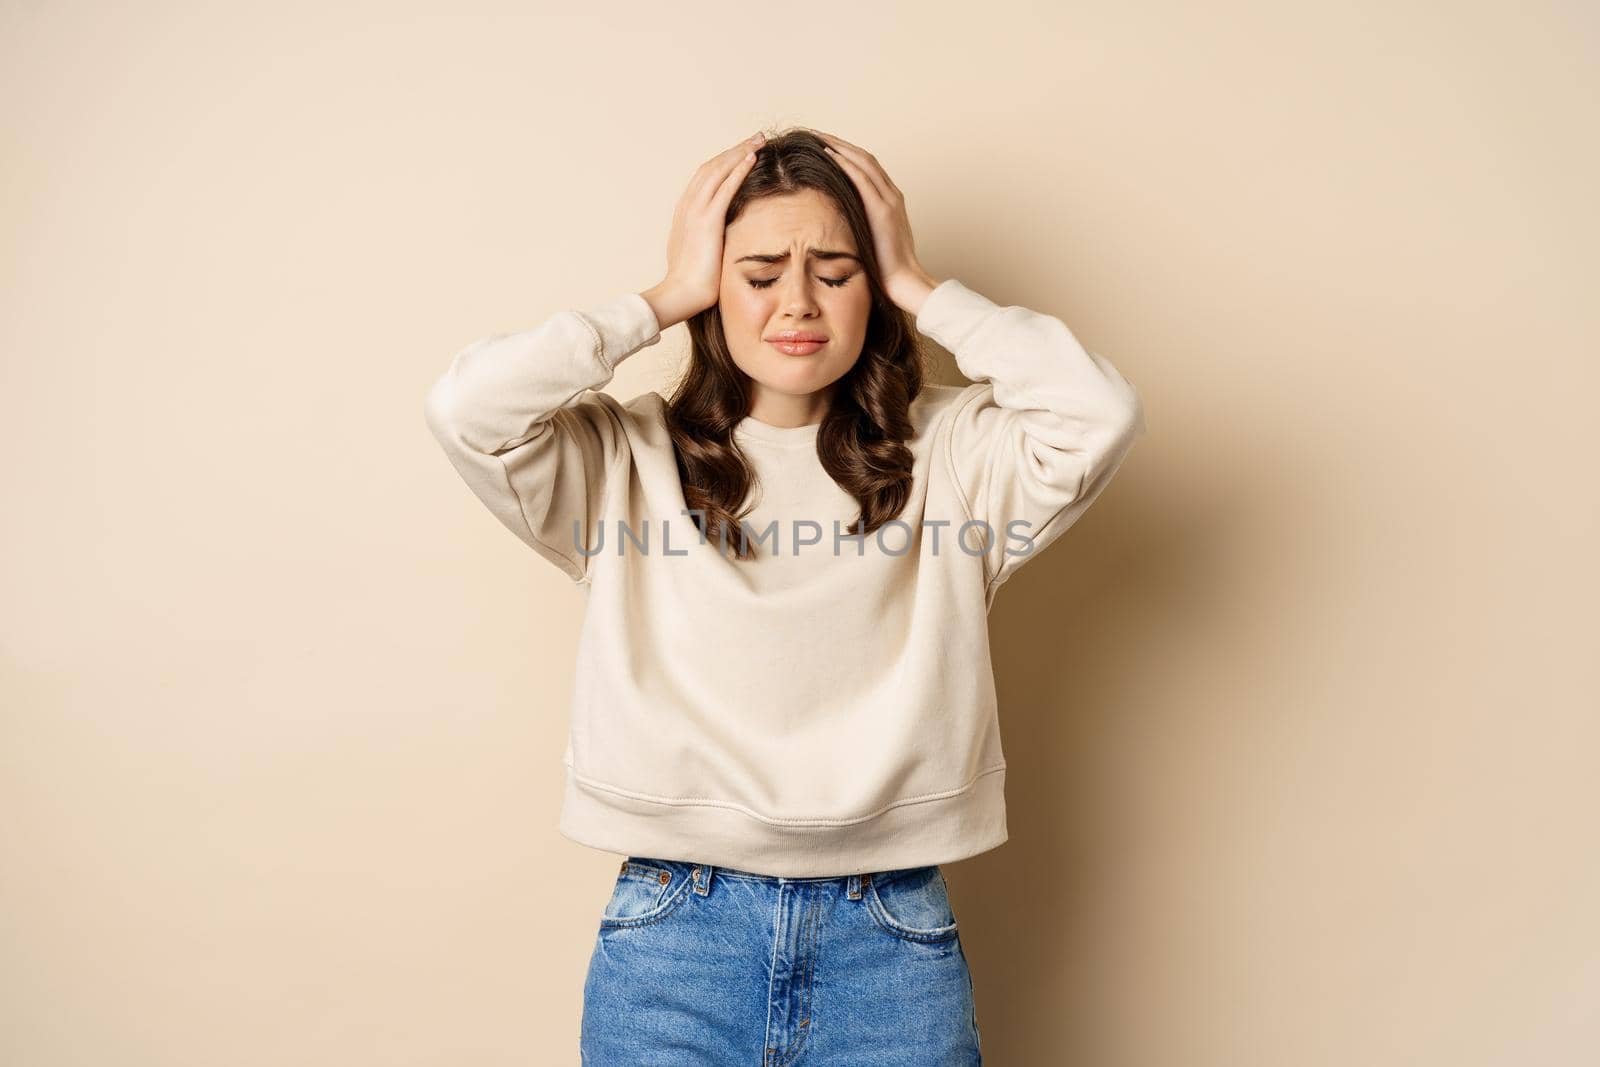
(784, 714)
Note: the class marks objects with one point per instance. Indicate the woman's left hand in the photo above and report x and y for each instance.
(904, 280)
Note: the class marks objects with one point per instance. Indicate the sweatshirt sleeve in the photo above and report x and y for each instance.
(518, 418)
(1041, 431)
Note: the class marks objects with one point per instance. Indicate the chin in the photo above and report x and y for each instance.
(811, 366)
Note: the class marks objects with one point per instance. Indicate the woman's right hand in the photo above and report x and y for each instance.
(694, 247)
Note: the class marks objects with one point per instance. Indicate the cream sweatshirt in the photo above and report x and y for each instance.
(829, 707)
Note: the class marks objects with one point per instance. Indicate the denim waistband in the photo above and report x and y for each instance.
(701, 874)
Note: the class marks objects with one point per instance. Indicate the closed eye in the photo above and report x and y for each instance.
(762, 283)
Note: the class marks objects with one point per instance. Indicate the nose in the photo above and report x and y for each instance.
(799, 302)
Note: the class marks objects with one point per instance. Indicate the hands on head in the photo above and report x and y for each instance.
(904, 279)
(693, 279)
(694, 245)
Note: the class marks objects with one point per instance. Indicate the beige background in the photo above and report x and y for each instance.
(1301, 718)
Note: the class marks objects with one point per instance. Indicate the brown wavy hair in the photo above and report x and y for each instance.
(861, 442)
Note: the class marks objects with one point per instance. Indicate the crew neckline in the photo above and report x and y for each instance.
(752, 427)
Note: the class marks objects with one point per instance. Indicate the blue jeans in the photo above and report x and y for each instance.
(704, 965)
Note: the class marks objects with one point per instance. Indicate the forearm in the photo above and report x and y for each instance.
(499, 391)
(670, 304)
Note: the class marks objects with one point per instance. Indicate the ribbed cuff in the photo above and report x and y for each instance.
(622, 326)
(952, 311)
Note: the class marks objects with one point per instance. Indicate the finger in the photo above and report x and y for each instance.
(710, 175)
(872, 166)
(730, 185)
(863, 181)
(869, 162)
(839, 142)
(713, 172)
(868, 166)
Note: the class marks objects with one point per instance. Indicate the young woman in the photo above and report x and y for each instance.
(784, 715)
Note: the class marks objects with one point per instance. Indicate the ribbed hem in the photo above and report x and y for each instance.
(911, 835)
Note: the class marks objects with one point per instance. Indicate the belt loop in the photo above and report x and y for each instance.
(853, 887)
(701, 872)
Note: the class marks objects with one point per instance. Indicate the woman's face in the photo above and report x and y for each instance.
(788, 264)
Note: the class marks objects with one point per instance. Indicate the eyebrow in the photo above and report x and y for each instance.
(780, 257)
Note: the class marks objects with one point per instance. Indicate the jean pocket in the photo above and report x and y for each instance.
(646, 891)
(913, 904)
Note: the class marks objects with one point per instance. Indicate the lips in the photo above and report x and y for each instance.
(797, 348)
(796, 342)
